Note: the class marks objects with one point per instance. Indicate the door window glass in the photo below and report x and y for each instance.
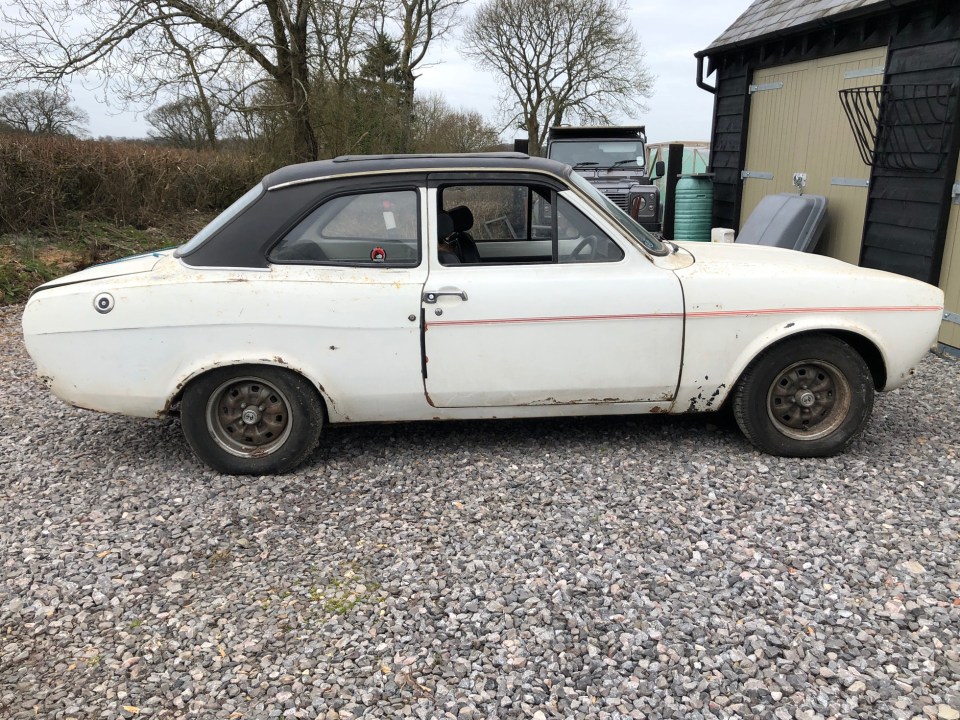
(580, 240)
(376, 228)
(516, 224)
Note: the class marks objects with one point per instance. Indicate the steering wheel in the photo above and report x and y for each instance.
(589, 241)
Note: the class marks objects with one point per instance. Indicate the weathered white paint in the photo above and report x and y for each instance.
(591, 339)
(741, 299)
(553, 334)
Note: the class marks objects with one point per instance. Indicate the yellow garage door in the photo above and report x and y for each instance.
(950, 275)
(797, 125)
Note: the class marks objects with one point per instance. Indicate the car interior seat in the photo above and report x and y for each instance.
(444, 231)
(462, 222)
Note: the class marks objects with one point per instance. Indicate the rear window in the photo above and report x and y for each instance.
(241, 204)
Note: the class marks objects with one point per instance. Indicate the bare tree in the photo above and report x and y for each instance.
(560, 59)
(201, 105)
(258, 125)
(186, 123)
(283, 43)
(440, 128)
(419, 23)
(41, 112)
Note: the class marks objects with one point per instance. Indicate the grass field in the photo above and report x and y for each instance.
(28, 259)
(67, 203)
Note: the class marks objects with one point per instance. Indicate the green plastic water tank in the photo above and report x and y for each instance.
(694, 208)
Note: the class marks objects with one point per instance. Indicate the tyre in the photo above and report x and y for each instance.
(251, 420)
(807, 397)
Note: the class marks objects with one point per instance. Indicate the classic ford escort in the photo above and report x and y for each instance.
(386, 288)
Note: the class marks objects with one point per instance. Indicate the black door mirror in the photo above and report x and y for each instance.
(659, 169)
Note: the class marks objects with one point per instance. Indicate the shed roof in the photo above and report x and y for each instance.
(768, 17)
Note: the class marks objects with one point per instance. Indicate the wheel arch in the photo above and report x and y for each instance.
(201, 369)
(802, 419)
(865, 347)
(868, 350)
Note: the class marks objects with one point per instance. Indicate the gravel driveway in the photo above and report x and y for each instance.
(603, 568)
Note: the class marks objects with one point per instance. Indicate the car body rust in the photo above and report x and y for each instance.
(665, 325)
(701, 402)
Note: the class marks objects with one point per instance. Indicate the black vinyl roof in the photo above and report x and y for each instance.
(246, 237)
(359, 164)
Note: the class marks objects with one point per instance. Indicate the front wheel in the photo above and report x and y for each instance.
(807, 397)
(251, 420)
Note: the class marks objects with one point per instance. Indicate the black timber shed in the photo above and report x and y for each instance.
(909, 187)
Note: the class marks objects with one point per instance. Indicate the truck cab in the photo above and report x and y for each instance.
(613, 159)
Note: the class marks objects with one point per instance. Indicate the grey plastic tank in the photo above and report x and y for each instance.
(786, 220)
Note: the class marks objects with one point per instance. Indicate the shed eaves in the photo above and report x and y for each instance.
(766, 17)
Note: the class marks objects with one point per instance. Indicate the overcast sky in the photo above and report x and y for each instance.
(670, 30)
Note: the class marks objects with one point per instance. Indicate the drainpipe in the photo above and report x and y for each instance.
(700, 83)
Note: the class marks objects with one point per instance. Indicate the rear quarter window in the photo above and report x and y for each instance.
(368, 228)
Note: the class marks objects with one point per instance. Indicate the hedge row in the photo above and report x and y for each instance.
(44, 180)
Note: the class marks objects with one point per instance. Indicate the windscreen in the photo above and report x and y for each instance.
(635, 229)
(598, 153)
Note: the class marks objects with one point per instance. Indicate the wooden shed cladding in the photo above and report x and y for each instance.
(950, 275)
(735, 70)
(904, 221)
(728, 144)
(798, 126)
(907, 209)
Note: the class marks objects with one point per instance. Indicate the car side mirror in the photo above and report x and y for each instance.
(659, 169)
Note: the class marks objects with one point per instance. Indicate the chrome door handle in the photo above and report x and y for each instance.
(430, 296)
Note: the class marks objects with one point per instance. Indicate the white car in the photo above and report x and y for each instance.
(368, 289)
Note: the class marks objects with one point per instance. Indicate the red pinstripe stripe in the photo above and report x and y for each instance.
(692, 315)
(794, 311)
(559, 318)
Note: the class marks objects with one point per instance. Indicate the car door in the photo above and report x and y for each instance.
(561, 309)
(345, 291)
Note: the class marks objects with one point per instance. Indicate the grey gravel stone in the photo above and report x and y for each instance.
(649, 567)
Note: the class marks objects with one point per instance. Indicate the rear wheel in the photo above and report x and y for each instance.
(251, 420)
(806, 397)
